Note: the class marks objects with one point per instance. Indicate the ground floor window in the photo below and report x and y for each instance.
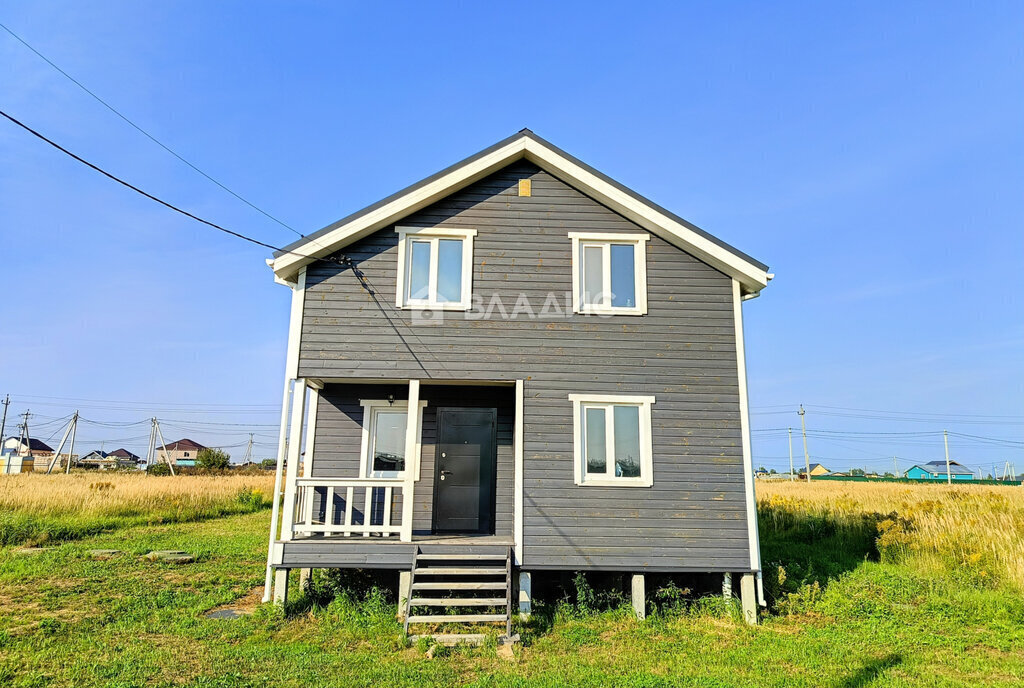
(612, 439)
(383, 442)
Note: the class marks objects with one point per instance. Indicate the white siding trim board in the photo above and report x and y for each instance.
(748, 465)
(517, 443)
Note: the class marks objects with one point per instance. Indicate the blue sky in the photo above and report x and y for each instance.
(871, 153)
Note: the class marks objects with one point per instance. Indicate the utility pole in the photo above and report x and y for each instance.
(248, 451)
(803, 429)
(896, 466)
(70, 432)
(945, 441)
(160, 434)
(3, 423)
(792, 471)
(71, 451)
(151, 445)
(26, 439)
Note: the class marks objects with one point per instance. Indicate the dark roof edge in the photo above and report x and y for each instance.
(626, 190)
(490, 149)
(398, 194)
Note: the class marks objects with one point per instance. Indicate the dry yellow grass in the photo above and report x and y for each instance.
(976, 529)
(121, 493)
(36, 508)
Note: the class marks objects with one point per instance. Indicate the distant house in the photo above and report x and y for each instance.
(16, 445)
(180, 453)
(816, 470)
(125, 457)
(97, 458)
(120, 458)
(40, 452)
(936, 470)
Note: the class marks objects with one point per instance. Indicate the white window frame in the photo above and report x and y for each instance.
(583, 401)
(370, 409)
(605, 239)
(433, 234)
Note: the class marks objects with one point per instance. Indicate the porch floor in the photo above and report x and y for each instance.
(356, 551)
(417, 539)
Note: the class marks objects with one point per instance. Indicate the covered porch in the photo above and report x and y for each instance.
(374, 471)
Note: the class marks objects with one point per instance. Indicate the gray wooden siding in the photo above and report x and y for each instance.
(338, 437)
(683, 352)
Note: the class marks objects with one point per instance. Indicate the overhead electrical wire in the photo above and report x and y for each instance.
(150, 196)
(147, 134)
(147, 403)
(343, 260)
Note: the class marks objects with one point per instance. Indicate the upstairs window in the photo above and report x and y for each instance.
(609, 273)
(612, 440)
(435, 268)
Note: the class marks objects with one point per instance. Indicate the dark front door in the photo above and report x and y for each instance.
(464, 474)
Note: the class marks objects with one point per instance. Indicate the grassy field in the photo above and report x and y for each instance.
(35, 509)
(868, 586)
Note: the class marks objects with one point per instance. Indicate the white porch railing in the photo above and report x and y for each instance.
(367, 507)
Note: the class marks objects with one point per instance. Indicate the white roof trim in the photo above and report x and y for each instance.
(752, 277)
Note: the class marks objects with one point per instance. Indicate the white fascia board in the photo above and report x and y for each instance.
(286, 265)
(750, 276)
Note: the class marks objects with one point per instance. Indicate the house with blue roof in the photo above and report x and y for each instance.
(936, 470)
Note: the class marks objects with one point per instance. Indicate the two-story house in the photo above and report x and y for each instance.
(515, 365)
(183, 452)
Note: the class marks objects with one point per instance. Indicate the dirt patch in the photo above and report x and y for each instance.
(241, 607)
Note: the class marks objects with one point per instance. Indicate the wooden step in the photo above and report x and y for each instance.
(461, 557)
(460, 571)
(453, 639)
(456, 618)
(458, 585)
(458, 601)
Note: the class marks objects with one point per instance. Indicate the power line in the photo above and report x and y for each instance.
(343, 260)
(147, 134)
(911, 413)
(144, 193)
(148, 403)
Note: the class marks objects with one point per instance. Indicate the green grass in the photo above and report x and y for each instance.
(40, 509)
(22, 527)
(69, 620)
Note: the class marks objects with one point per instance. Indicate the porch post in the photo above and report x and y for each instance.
(748, 598)
(306, 575)
(404, 591)
(281, 586)
(412, 461)
(639, 590)
(517, 506)
(525, 595)
(291, 372)
(294, 453)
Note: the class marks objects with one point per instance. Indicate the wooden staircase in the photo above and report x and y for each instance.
(477, 585)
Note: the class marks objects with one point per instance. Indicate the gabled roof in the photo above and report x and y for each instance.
(33, 444)
(751, 274)
(124, 454)
(186, 444)
(940, 467)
